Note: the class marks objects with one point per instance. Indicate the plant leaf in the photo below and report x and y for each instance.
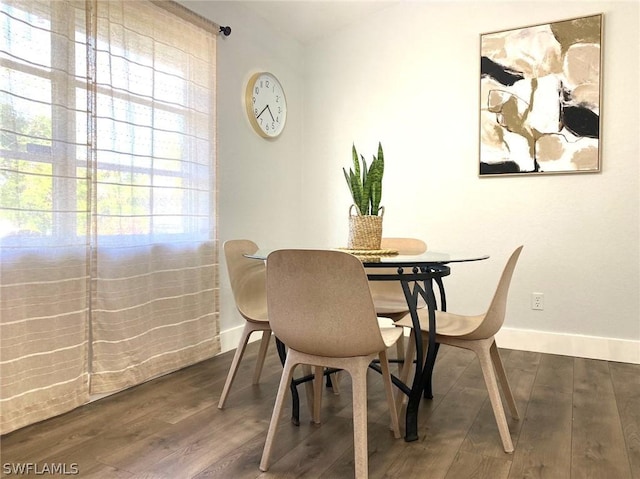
(365, 182)
(356, 189)
(348, 180)
(366, 187)
(356, 163)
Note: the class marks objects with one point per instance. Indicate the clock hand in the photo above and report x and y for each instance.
(266, 107)
(272, 118)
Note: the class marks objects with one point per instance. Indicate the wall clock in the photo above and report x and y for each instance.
(266, 104)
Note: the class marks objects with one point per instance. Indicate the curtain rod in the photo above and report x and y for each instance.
(191, 16)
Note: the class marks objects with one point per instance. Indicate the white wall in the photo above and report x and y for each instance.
(406, 76)
(409, 77)
(258, 180)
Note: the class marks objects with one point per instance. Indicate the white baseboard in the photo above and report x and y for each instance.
(592, 347)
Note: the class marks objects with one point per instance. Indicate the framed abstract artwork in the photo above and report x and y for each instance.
(540, 98)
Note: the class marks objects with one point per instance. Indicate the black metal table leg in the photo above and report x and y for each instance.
(431, 360)
(411, 418)
(428, 370)
(424, 369)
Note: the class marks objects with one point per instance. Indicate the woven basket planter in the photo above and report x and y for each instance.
(365, 231)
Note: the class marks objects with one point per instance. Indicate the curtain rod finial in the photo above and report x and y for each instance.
(226, 31)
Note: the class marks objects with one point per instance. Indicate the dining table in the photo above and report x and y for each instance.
(417, 274)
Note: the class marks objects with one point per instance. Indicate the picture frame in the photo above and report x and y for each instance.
(540, 98)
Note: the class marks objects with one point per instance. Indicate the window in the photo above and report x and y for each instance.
(145, 169)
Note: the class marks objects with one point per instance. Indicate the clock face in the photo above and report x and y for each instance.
(266, 105)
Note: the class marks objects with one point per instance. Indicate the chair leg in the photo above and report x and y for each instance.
(502, 376)
(484, 356)
(335, 383)
(359, 384)
(388, 389)
(317, 393)
(262, 354)
(285, 382)
(406, 367)
(309, 389)
(246, 332)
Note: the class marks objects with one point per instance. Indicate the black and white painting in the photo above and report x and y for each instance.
(540, 98)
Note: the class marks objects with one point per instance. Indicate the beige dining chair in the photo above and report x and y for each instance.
(248, 284)
(321, 308)
(477, 333)
(388, 296)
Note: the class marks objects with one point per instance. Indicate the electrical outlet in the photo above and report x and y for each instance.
(537, 301)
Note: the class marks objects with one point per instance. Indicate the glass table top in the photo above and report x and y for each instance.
(422, 259)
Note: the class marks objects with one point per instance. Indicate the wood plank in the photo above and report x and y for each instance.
(598, 443)
(544, 445)
(444, 431)
(194, 442)
(626, 386)
(483, 438)
(451, 365)
(477, 466)
(314, 453)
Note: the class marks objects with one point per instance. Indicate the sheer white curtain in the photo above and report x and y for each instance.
(108, 272)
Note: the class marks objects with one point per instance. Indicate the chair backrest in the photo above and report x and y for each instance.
(385, 291)
(319, 303)
(494, 317)
(248, 279)
(404, 245)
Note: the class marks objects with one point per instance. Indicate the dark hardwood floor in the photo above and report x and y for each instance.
(580, 418)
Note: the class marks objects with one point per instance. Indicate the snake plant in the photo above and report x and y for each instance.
(365, 184)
